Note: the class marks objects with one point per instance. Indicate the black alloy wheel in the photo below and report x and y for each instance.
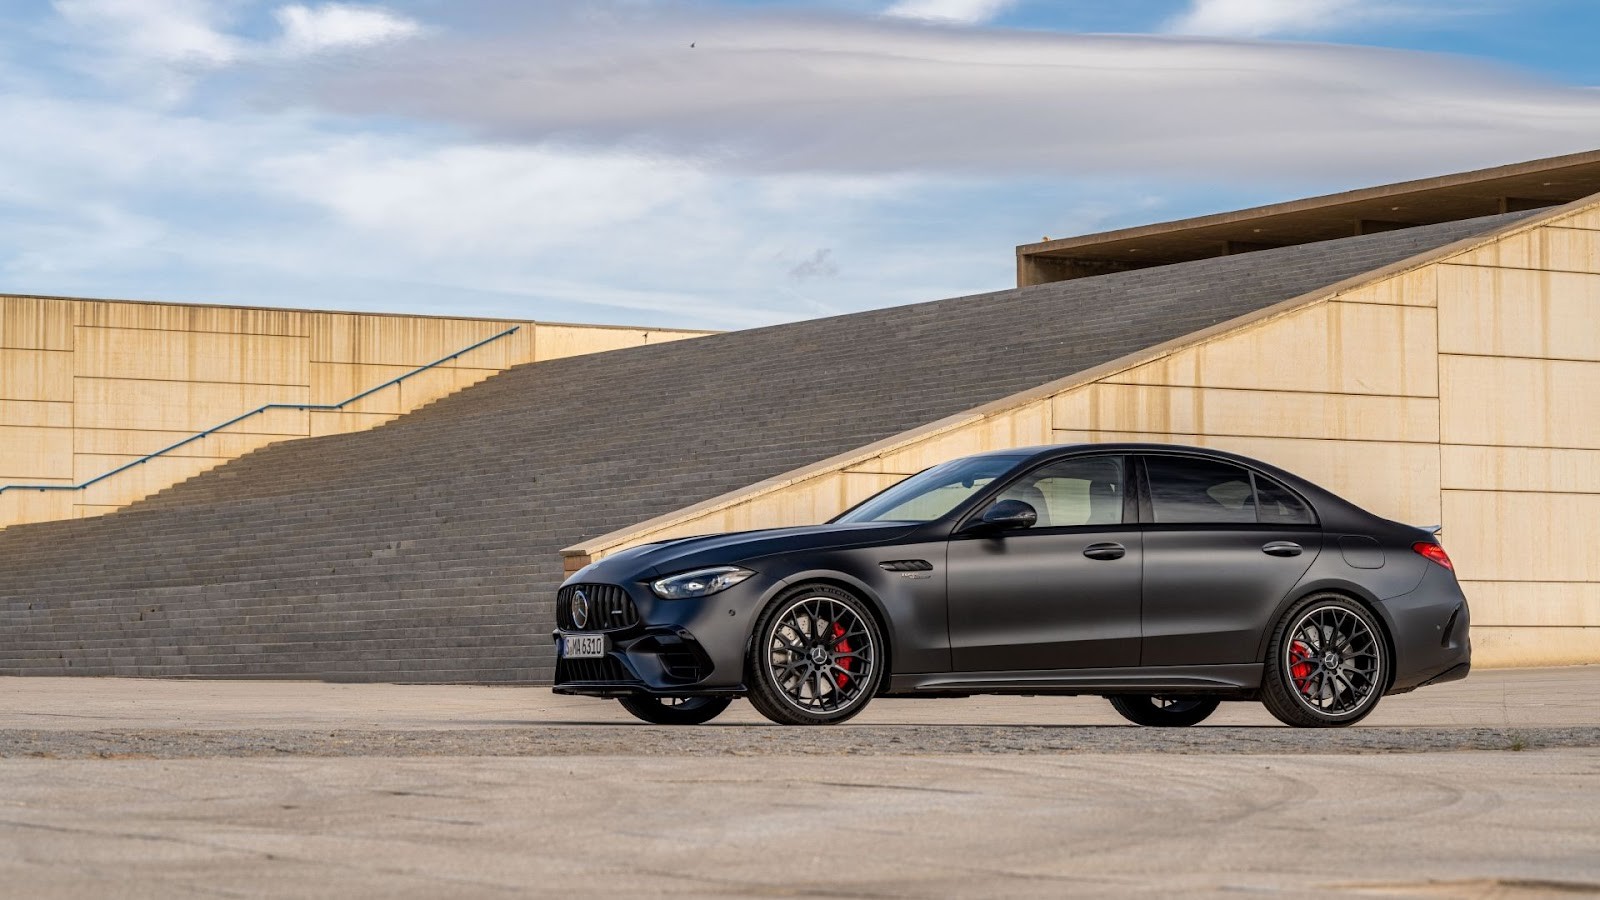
(675, 710)
(1163, 712)
(815, 658)
(1327, 665)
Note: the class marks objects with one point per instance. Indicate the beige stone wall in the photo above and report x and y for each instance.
(88, 385)
(1519, 364)
(1462, 390)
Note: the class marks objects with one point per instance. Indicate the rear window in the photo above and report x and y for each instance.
(1277, 505)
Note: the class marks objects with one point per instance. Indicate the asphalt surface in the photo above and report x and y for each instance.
(110, 787)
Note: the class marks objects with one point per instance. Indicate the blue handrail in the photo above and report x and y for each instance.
(255, 412)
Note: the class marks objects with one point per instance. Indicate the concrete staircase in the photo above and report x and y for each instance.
(427, 549)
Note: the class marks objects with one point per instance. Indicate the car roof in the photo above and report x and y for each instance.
(1030, 455)
(1111, 447)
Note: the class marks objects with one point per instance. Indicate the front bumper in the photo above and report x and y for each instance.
(675, 648)
(661, 660)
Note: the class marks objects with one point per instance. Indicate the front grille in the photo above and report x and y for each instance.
(606, 668)
(609, 608)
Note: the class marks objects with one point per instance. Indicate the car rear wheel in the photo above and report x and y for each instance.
(1327, 665)
(1168, 712)
(675, 710)
(816, 657)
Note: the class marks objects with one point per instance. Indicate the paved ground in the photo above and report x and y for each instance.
(368, 790)
(1490, 698)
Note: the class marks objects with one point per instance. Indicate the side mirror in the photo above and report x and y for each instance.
(1009, 515)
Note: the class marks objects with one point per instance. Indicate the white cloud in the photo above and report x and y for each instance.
(771, 93)
(478, 200)
(593, 167)
(334, 26)
(111, 199)
(1263, 18)
(158, 49)
(173, 31)
(965, 12)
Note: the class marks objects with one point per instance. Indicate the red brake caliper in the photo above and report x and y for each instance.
(1299, 668)
(842, 646)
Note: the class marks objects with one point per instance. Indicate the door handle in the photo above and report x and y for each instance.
(1105, 551)
(1281, 548)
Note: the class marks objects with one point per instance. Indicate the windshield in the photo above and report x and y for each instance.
(934, 492)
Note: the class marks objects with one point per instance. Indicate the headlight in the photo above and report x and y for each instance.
(699, 583)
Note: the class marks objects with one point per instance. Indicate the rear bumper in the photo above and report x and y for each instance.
(1431, 628)
(1454, 673)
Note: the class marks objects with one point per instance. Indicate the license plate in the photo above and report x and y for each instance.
(583, 646)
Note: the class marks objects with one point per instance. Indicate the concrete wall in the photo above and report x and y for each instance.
(1463, 389)
(88, 385)
(1519, 364)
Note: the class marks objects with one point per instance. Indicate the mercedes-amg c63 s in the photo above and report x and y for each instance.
(1164, 578)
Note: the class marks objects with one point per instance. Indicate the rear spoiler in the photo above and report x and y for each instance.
(1435, 530)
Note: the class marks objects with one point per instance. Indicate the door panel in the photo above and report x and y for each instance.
(1223, 547)
(1209, 591)
(1035, 601)
(1063, 594)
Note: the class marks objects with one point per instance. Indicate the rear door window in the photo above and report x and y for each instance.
(1207, 492)
(1199, 491)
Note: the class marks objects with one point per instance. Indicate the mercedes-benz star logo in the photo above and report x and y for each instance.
(580, 609)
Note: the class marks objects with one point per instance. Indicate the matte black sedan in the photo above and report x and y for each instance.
(1164, 578)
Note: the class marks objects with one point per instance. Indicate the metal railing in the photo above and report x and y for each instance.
(312, 407)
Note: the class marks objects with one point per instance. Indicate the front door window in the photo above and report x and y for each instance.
(1073, 492)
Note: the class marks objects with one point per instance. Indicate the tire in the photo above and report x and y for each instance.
(816, 657)
(1327, 665)
(1164, 712)
(675, 710)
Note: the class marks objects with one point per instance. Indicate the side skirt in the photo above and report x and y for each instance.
(1240, 679)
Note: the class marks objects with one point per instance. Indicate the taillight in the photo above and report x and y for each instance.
(1435, 553)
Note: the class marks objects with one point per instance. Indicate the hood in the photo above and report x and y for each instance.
(669, 557)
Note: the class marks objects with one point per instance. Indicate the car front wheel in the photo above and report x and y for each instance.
(675, 710)
(816, 657)
(1163, 712)
(1327, 665)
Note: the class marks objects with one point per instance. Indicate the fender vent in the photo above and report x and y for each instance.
(906, 565)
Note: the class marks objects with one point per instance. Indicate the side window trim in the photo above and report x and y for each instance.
(1147, 514)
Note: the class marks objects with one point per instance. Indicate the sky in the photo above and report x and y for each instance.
(717, 163)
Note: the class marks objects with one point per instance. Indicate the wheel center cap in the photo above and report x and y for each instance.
(819, 655)
(1330, 659)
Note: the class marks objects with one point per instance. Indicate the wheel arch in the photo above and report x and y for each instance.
(843, 581)
(1348, 590)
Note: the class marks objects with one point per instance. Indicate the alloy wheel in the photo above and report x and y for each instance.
(1333, 660)
(820, 655)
